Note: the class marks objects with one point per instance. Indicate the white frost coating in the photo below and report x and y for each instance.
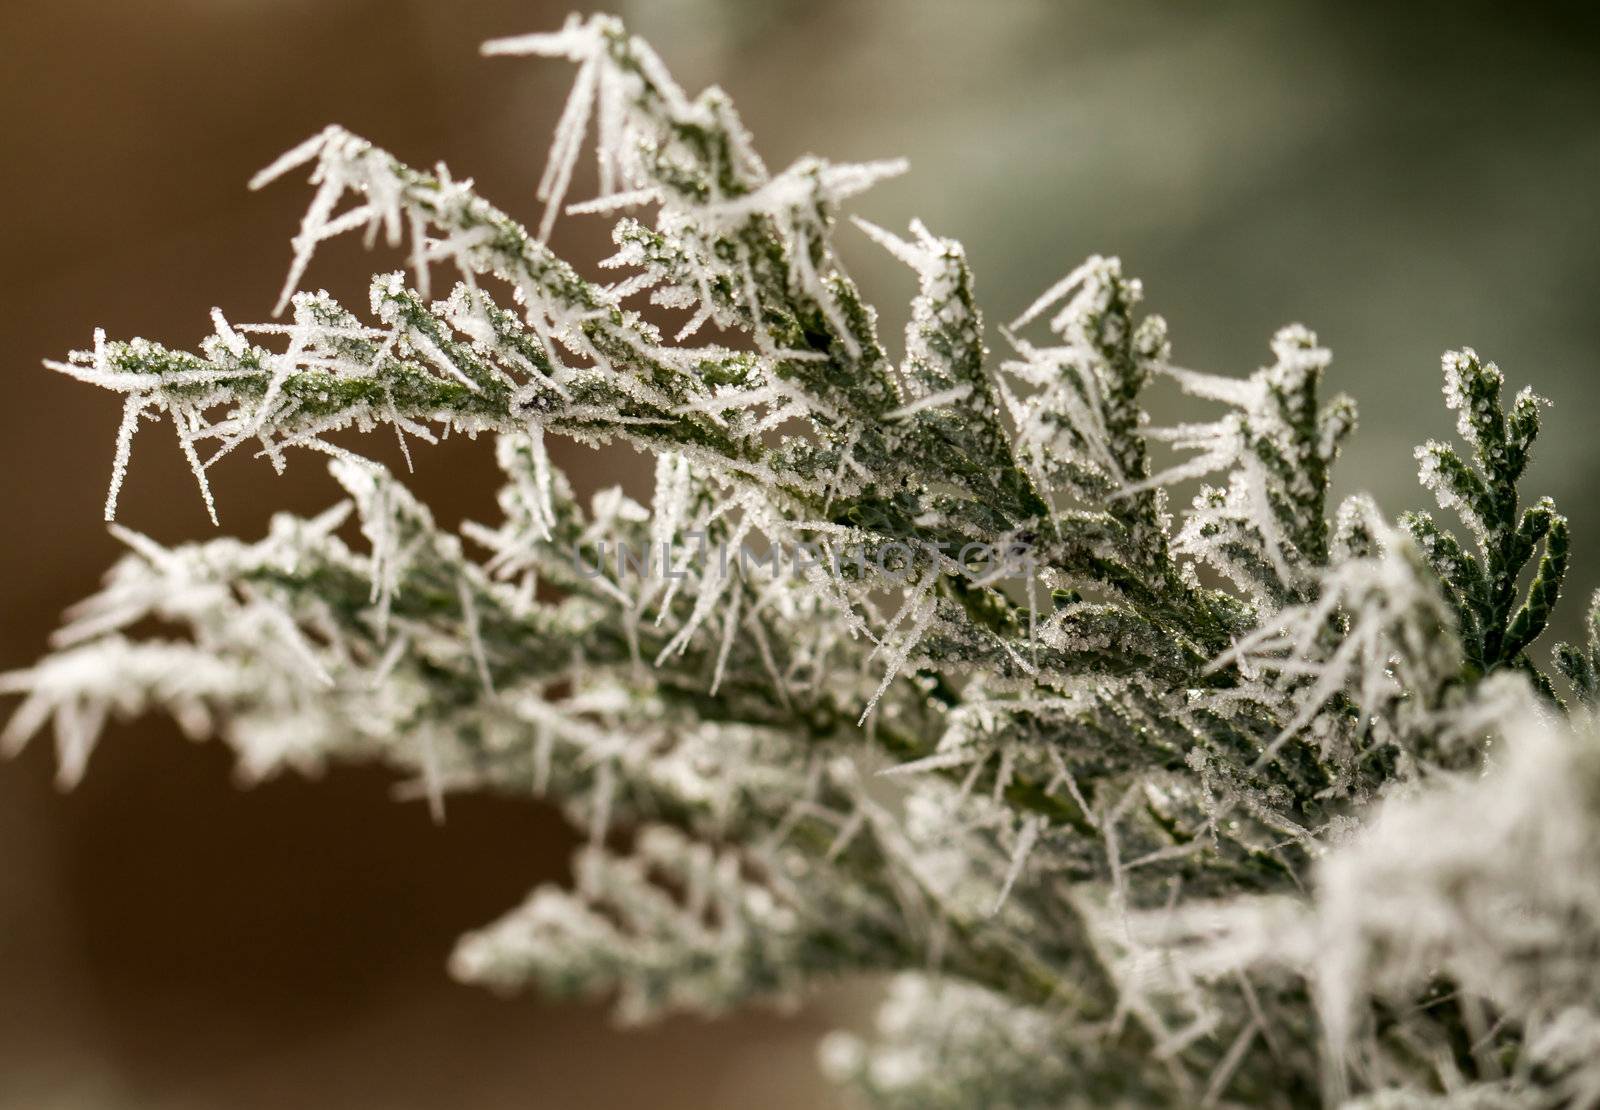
(921, 607)
(644, 125)
(1400, 638)
(1026, 839)
(132, 411)
(1054, 294)
(480, 659)
(930, 401)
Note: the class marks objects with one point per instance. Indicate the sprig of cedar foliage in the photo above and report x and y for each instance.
(1495, 629)
(1118, 790)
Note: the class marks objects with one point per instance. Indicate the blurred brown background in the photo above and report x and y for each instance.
(1402, 178)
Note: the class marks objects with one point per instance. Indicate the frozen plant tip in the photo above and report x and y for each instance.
(1273, 806)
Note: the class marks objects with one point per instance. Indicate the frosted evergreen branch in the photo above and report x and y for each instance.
(1270, 805)
(1484, 495)
(1580, 666)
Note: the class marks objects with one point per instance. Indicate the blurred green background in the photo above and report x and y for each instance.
(1403, 178)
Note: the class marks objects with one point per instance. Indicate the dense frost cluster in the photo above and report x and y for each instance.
(1268, 805)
